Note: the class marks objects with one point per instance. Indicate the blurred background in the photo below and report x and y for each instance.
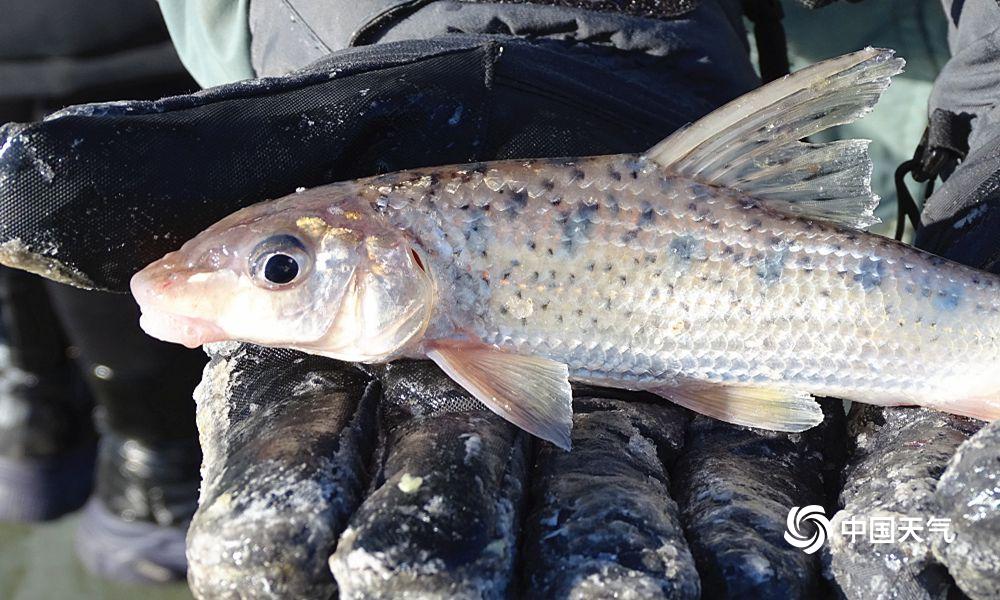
(129, 56)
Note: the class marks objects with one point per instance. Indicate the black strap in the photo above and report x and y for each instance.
(769, 36)
(945, 142)
(654, 9)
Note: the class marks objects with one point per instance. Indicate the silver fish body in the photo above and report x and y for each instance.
(642, 280)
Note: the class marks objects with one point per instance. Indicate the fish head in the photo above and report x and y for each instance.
(330, 278)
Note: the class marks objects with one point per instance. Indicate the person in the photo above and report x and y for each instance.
(391, 470)
(66, 350)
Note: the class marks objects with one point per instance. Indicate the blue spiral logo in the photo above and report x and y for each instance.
(794, 535)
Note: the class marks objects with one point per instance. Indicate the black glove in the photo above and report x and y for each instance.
(407, 482)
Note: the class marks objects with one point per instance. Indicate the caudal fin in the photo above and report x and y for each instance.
(752, 144)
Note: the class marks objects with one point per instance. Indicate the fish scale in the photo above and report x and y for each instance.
(640, 279)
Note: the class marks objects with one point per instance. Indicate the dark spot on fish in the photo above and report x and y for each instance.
(482, 253)
(692, 207)
(770, 267)
(774, 240)
(593, 320)
(579, 312)
(503, 310)
(545, 306)
(556, 201)
(738, 257)
(825, 293)
(505, 276)
(480, 168)
(552, 273)
(518, 294)
(630, 235)
(611, 203)
(608, 267)
(590, 266)
(756, 223)
(535, 276)
(805, 262)
(607, 304)
(435, 179)
(464, 207)
(559, 318)
(531, 244)
(576, 174)
(714, 225)
(548, 185)
(648, 215)
(870, 273)
(549, 251)
(617, 176)
(623, 279)
(634, 174)
(515, 263)
(520, 199)
(727, 250)
(683, 246)
(948, 299)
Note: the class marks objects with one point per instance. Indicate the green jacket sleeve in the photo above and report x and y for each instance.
(212, 38)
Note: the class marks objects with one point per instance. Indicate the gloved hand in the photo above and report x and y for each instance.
(406, 481)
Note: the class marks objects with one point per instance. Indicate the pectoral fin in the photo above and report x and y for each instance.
(530, 392)
(766, 408)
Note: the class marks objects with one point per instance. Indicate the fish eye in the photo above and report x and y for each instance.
(280, 269)
(278, 261)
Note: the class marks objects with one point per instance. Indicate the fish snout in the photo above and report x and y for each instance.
(160, 293)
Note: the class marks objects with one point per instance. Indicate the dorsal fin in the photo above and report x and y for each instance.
(752, 144)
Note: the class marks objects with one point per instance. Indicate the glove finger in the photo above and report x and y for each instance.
(735, 487)
(443, 514)
(286, 438)
(602, 522)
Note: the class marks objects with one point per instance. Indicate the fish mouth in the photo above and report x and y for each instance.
(179, 329)
(148, 288)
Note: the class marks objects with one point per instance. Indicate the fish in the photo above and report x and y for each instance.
(726, 269)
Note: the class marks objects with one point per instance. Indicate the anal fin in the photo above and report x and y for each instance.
(766, 408)
(529, 391)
